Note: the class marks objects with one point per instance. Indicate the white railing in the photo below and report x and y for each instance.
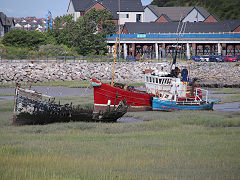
(203, 90)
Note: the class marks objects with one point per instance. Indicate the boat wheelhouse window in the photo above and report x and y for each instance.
(147, 79)
(150, 79)
(153, 80)
(156, 80)
(160, 81)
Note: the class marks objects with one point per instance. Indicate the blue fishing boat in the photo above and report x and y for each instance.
(159, 104)
(175, 90)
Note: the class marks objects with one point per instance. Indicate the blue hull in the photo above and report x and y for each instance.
(172, 105)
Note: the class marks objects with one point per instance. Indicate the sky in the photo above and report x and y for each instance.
(38, 8)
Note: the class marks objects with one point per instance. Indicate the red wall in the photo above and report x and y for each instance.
(237, 29)
(97, 7)
(210, 19)
(161, 19)
(124, 30)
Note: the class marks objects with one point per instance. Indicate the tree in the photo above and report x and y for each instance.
(22, 38)
(88, 34)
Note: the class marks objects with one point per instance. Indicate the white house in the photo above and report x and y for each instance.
(130, 10)
(154, 13)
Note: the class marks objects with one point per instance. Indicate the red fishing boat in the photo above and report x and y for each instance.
(105, 95)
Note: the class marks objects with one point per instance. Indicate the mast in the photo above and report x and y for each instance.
(119, 28)
(175, 49)
(116, 44)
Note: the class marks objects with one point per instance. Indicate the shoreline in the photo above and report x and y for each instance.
(212, 75)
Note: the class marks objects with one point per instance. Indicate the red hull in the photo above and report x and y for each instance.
(103, 92)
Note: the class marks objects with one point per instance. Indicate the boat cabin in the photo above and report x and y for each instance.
(165, 86)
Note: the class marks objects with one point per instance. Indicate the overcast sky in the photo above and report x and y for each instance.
(38, 8)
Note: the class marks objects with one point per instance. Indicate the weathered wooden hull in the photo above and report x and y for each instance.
(31, 109)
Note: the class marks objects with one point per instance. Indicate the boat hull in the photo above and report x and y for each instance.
(172, 105)
(105, 95)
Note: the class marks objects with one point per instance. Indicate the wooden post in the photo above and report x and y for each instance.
(15, 104)
(114, 60)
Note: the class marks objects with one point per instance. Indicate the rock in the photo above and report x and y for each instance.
(209, 74)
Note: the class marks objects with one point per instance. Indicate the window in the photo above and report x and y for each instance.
(160, 81)
(146, 78)
(150, 79)
(153, 80)
(127, 15)
(156, 80)
(138, 17)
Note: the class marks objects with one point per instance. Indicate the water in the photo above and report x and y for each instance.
(4, 98)
(227, 107)
(129, 120)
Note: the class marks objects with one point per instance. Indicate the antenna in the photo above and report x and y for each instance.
(119, 51)
(175, 49)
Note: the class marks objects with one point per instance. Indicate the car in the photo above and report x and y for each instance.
(229, 58)
(215, 58)
(195, 58)
(204, 58)
(237, 57)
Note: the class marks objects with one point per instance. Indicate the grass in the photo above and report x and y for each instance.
(234, 94)
(167, 145)
(71, 84)
(232, 98)
(226, 91)
(7, 94)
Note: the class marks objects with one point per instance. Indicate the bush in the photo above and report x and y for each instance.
(2, 49)
(24, 39)
(13, 52)
(51, 50)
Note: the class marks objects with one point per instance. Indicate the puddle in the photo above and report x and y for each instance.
(4, 98)
(129, 120)
(227, 107)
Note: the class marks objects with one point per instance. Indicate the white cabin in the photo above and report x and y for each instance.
(165, 86)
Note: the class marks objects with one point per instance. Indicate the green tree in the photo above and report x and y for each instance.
(87, 35)
(25, 39)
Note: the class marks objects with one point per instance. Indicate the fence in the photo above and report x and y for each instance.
(67, 59)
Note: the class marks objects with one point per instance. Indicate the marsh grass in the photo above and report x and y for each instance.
(233, 94)
(6, 105)
(231, 98)
(203, 118)
(71, 84)
(226, 91)
(167, 145)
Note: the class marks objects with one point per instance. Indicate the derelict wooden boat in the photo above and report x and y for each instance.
(31, 107)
